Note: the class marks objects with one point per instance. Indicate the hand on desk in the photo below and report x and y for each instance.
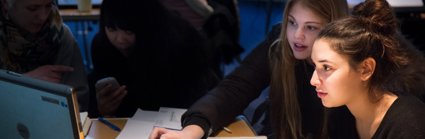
(108, 100)
(51, 73)
(189, 132)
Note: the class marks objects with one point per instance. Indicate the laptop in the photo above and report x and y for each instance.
(36, 109)
(73, 3)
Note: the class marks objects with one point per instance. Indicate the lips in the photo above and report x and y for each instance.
(299, 47)
(321, 94)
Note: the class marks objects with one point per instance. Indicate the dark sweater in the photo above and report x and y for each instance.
(403, 120)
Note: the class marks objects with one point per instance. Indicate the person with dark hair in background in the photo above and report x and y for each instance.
(362, 64)
(295, 111)
(35, 42)
(158, 59)
(219, 21)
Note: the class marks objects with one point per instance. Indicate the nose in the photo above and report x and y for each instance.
(120, 37)
(299, 34)
(315, 81)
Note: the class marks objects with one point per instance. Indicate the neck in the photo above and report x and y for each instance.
(124, 52)
(369, 114)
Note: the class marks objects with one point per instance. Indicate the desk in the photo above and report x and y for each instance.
(100, 131)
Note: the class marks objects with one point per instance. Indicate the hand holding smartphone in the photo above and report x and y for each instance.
(102, 83)
(109, 98)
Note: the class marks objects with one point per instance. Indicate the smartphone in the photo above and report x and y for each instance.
(107, 81)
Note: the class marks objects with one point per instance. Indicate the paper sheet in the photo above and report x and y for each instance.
(151, 116)
(142, 123)
(135, 129)
(85, 122)
(165, 117)
(83, 117)
(175, 114)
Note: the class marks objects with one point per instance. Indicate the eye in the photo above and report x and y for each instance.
(312, 28)
(326, 68)
(129, 32)
(291, 22)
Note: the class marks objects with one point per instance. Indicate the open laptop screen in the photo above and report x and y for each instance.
(73, 3)
(36, 109)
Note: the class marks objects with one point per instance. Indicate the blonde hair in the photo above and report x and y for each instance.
(285, 111)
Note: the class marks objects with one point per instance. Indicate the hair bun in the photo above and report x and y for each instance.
(380, 15)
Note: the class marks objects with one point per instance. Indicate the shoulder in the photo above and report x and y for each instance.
(66, 32)
(409, 103)
(66, 36)
(404, 119)
(68, 44)
(407, 108)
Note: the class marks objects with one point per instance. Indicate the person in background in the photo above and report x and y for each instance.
(219, 21)
(158, 59)
(196, 12)
(295, 112)
(361, 64)
(35, 42)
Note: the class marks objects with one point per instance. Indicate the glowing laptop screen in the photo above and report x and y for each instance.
(36, 109)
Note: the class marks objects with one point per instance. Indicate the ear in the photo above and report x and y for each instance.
(366, 68)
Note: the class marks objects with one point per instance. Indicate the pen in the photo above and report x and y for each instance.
(227, 130)
(109, 124)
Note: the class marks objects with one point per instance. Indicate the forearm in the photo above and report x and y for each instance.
(195, 130)
(221, 105)
(193, 118)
